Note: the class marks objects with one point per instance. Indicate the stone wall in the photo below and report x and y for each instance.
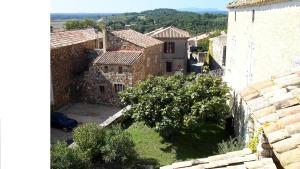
(268, 45)
(67, 64)
(116, 43)
(217, 44)
(148, 64)
(179, 57)
(96, 77)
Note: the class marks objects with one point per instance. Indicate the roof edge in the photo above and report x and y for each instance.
(251, 3)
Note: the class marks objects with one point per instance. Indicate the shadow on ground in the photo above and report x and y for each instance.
(196, 144)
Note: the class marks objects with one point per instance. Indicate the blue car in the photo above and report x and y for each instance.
(61, 121)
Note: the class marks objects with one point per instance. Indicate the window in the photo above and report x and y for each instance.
(224, 56)
(101, 89)
(169, 66)
(148, 62)
(169, 47)
(253, 15)
(119, 87)
(235, 16)
(105, 69)
(120, 70)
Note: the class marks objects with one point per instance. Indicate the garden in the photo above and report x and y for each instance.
(173, 118)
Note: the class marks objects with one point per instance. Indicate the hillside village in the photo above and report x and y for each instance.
(258, 57)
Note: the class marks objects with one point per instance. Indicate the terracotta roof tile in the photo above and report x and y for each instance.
(137, 38)
(293, 166)
(66, 38)
(169, 32)
(248, 3)
(277, 108)
(122, 57)
(290, 157)
(232, 160)
(287, 144)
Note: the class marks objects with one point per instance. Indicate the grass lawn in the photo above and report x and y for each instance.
(153, 149)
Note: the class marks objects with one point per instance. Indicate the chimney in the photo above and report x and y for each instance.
(104, 34)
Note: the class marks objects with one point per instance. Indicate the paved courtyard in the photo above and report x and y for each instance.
(83, 113)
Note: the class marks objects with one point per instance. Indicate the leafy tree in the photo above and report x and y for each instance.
(171, 104)
(80, 24)
(153, 19)
(111, 147)
(63, 157)
(203, 45)
(90, 138)
(119, 152)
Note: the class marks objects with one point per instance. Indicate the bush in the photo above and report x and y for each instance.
(232, 144)
(80, 24)
(90, 138)
(252, 145)
(119, 149)
(203, 45)
(106, 146)
(170, 104)
(63, 157)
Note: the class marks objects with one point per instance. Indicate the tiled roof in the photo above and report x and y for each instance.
(243, 159)
(66, 38)
(275, 105)
(121, 57)
(169, 32)
(136, 38)
(248, 3)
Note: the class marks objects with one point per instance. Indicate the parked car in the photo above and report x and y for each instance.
(61, 121)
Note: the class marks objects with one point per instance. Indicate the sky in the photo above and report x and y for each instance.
(120, 6)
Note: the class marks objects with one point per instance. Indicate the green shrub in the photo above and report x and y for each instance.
(170, 104)
(252, 145)
(90, 138)
(203, 45)
(80, 24)
(232, 144)
(63, 157)
(119, 149)
(106, 146)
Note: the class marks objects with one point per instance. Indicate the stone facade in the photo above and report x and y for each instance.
(178, 58)
(115, 43)
(97, 77)
(217, 59)
(148, 64)
(262, 40)
(67, 65)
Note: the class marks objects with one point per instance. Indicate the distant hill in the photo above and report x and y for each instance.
(203, 10)
(67, 16)
(149, 20)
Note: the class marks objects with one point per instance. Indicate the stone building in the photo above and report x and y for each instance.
(217, 51)
(263, 38)
(175, 50)
(127, 57)
(69, 61)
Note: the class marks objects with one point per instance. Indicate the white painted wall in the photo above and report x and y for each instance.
(269, 45)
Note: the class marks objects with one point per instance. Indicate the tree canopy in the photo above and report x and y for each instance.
(172, 104)
(153, 19)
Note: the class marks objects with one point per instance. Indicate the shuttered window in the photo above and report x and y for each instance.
(169, 47)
